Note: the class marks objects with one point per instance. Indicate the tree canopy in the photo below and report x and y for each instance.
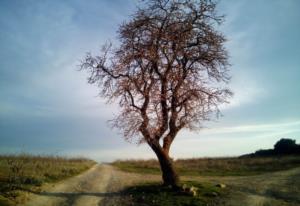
(169, 72)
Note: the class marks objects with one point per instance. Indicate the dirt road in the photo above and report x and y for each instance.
(101, 185)
(87, 189)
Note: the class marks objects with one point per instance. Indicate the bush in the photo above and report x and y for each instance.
(264, 152)
(286, 146)
(282, 147)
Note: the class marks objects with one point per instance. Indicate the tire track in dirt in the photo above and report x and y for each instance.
(100, 185)
(88, 188)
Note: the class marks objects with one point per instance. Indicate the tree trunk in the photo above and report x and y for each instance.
(169, 175)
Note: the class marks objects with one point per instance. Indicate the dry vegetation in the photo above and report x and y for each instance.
(27, 172)
(215, 166)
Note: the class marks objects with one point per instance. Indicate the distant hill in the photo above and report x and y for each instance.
(282, 147)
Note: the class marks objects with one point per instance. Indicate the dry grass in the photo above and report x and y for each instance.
(24, 171)
(215, 166)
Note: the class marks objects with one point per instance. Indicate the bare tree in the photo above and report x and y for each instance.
(168, 73)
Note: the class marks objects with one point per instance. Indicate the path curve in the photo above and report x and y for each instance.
(100, 185)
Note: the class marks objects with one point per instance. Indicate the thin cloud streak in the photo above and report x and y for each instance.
(293, 125)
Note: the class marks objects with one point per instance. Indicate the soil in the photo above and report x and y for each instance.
(102, 186)
(89, 188)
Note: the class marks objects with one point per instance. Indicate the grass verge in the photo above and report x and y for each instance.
(215, 166)
(27, 172)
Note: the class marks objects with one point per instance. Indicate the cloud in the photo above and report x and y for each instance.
(47, 104)
(246, 86)
(246, 91)
(284, 126)
(233, 140)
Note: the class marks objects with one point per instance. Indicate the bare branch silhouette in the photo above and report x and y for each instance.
(169, 73)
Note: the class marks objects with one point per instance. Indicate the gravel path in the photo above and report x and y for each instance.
(87, 189)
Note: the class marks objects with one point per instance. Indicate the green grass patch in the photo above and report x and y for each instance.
(154, 194)
(215, 166)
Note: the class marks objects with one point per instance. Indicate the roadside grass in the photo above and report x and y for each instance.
(232, 166)
(23, 172)
(154, 194)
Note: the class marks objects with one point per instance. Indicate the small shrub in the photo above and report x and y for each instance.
(33, 181)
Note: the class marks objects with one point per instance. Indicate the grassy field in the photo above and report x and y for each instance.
(153, 194)
(27, 172)
(215, 166)
(248, 181)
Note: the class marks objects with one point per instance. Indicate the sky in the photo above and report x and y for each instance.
(47, 107)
